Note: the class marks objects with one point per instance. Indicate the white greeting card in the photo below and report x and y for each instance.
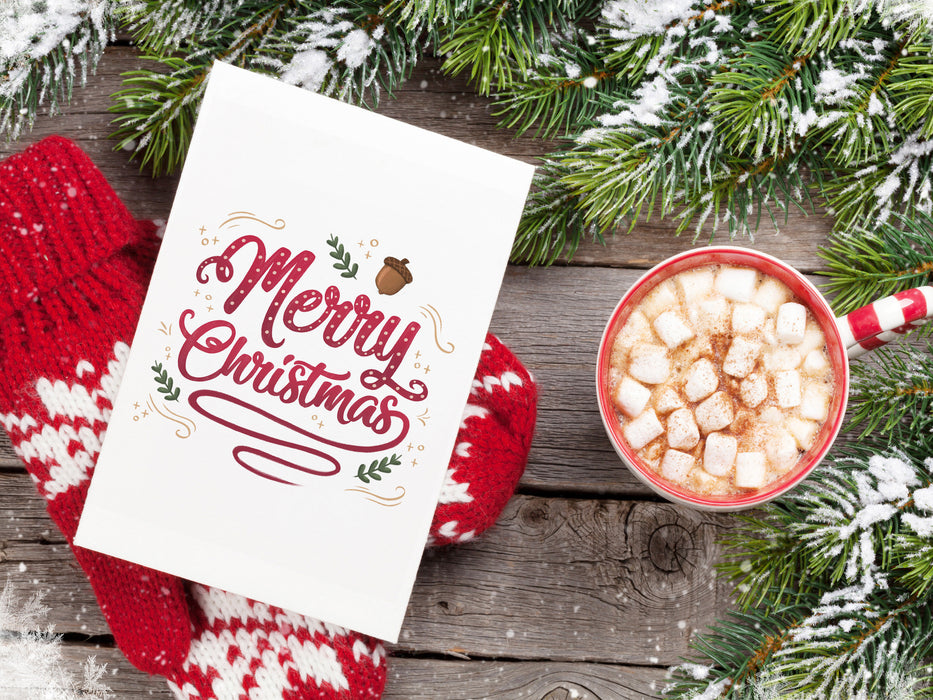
(305, 352)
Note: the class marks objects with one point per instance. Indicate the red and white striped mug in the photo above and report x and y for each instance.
(847, 337)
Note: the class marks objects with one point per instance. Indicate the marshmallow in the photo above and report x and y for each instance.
(741, 357)
(771, 294)
(695, 283)
(815, 362)
(772, 415)
(749, 470)
(701, 380)
(737, 283)
(676, 465)
(747, 318)
(671, 329)
(642, 430)
(815, 402)
(682, 432)
(787, 388)
(715, 413)
(767, 331)
(631, 397)
(668, 400)
(636, 330)
(791, 322)
(719, 453)
(782, 358)
(813, 339)
(781, 449)
(753, 389)
(804, 431)
(650, 364)
(711, 315)
(660, 299)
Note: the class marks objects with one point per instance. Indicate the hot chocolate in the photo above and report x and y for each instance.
(721, 379)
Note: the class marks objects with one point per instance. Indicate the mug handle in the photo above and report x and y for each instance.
(875, 324)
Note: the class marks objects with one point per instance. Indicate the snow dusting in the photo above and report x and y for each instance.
(634, 18)
(650, 98)
(32, 30)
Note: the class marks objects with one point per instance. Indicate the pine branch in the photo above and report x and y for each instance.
(416, 14)
(565, 93)
(899, 182)
(490, 47)
(856, 127)
(156, 112)
(806, 27)
(499, 42)
(346, 51)
(46, 51)
(866, 265)
(911, 89)
(755, 99)
(553, 222)
(894, 394)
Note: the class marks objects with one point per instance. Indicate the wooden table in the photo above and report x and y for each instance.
(588, 587)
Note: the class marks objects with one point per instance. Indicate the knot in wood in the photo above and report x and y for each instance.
(671, 548)
(534, 514)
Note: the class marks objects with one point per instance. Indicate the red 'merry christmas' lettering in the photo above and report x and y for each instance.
(310, 309)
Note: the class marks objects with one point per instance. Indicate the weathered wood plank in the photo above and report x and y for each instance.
(431, 100)
(425, 679)
(559, 579)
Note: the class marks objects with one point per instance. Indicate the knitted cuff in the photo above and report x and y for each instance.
(58, 216)
(492, 447)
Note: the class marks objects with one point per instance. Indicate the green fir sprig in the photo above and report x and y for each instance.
(865, 265)
(345, 50)
(343, 258)
(377, 468)
(167, 386)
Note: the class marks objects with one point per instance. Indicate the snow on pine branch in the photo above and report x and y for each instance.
(45, 47)
(629, 19)
(849, 505)
(326, 44)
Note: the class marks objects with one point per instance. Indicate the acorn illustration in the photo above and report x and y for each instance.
(393, 276)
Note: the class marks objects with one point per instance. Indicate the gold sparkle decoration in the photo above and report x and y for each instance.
(188, 426)
(164, 328)
(423, 417)
(378, 499)
(435, 316)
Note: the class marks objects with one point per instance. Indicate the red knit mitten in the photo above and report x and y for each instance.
(491, 449)
(68, 309)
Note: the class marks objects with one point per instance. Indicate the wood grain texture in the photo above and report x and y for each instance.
(423, 679)
(614, 581)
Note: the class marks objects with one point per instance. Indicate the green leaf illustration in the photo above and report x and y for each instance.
(378, 467)
(342, 257)
(165, 382)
